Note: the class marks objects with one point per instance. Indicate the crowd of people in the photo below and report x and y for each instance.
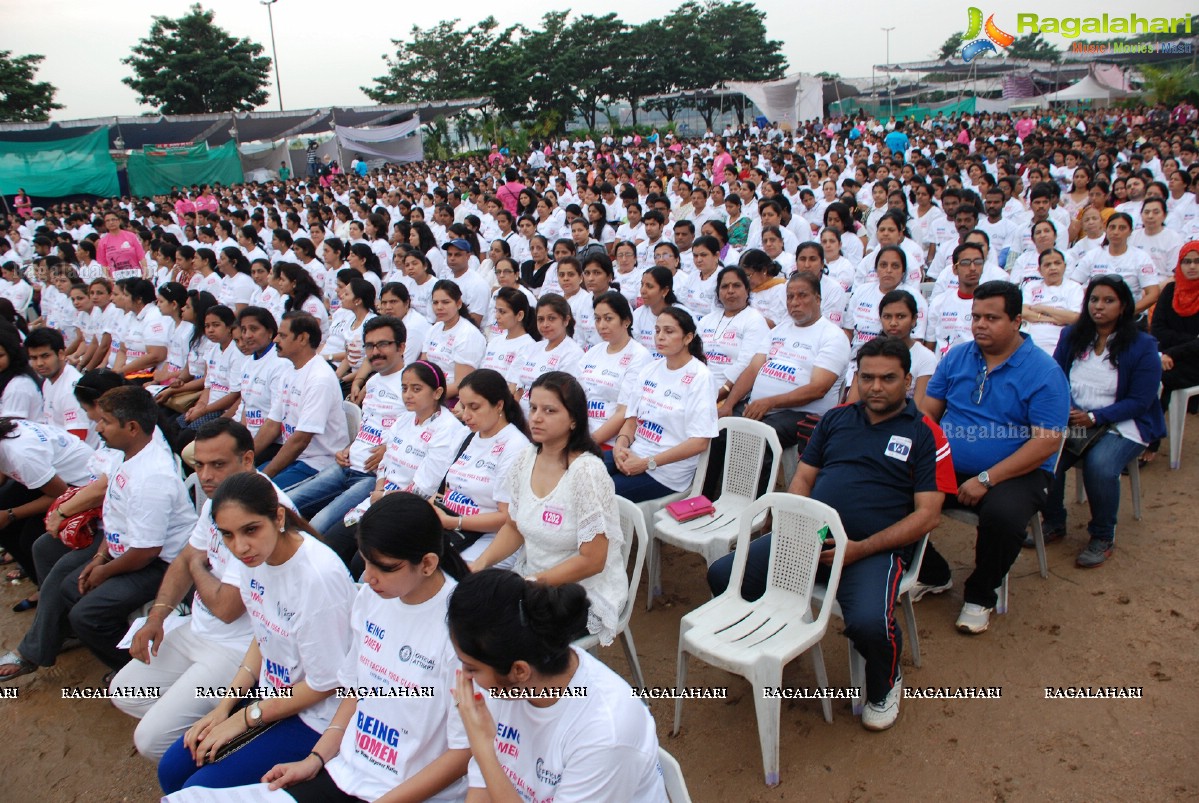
(435, 380)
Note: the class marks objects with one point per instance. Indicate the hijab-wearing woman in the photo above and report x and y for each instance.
(1176, 325)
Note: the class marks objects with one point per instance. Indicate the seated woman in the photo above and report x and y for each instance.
(671, 417)
(557, 349)
(144, 344)
(732, 334)
(897, 313)
(513, 319)
(1052, 302)
(1176, 325)
(410, 574)
(299, 596)
(611, 367)
(767, 284)
(417, 450)
(20, 387)
(473, 498)
(1114, 371)
(454, 343)
(563, 507)
(596, 744)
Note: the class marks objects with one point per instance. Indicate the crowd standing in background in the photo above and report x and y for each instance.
(947, 312)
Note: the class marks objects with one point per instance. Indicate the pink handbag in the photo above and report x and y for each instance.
(693, 508)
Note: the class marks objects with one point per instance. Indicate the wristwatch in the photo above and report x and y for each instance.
(985, 479)
(651, 464)
(254, 715)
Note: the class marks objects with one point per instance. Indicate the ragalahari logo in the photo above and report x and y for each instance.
(991, 36)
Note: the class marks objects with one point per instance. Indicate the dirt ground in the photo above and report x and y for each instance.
(1133, 622)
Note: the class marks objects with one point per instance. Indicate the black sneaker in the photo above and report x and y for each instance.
(1051, 536)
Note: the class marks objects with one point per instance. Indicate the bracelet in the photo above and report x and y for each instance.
(459, 522)
(622, 435)
(336, 728)
(248, 672)
(11, 515)
(318, 758)
(161, 605)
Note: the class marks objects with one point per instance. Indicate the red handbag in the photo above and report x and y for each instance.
(79, 530)
(693, 508)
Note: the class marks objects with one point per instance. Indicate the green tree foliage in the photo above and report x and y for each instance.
(190, 66)
(1170, 85)
(952, 46)
(1033, 47)
(23, 99)
(577, 65)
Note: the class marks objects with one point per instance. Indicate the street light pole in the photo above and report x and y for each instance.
(890, 92)
(274, 53)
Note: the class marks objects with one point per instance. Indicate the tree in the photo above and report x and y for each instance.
(1170, 85)
(1035, 48)
(22, 99)
(952, 46)
(440, 63)
(190, 66)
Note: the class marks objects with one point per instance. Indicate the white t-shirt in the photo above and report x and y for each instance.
(771, 302)
(867, 272)
(422, 298)
(1068, 295)
(300, 613)
(62, 409)
(699, 294)
(475, 292)
(582, 307)
(418, 455)
(950, 317)
(1134, 266)
(1093, 383)
(862, 314)
(554, 527)
(672, 406)
(236, 289)
(597, 747)
(33, 454)
(224, 371)
(607, 379)
(309, 400)
(390, 739)
(473, 483)
(566, 356)
(206, 538)
(1162, 248)
(178, 346)
(794, 352)
(146, 505)
(416, 329)
(339, 324)
(382, 405)
(463, 344)
(148, 328)
(504, 352)
(730, 344)
(260, 380)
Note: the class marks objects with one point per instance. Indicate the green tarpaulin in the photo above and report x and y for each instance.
(76, 166)
(158, 175)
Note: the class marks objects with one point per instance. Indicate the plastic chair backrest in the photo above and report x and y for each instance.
(632, 524)
(747, 441)
(353, 419)
(672, 774)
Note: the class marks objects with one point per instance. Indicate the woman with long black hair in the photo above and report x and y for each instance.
(399, 613)
(1114, 372)
(20, 393)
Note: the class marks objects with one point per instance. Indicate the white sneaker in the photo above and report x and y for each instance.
(974, 619)
(920, 589)
(880, 716)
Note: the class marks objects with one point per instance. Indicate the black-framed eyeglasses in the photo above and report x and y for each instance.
(980, 382)
(965, 263)
(379, 344)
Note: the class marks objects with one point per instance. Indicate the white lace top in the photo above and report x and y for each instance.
(582, 506)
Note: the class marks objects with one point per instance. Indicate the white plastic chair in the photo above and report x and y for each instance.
(713, 536)
(757, 639)
(857, 663)
(353, 419)
(672, 774)
(1178, 420)
(649, 508)
(632, 523)
(192, 485)
(926, 290)
(1134, 480)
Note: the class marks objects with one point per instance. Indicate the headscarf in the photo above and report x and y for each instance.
(1186, 291)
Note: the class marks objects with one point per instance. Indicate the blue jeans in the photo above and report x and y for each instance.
(639, 488)
(327, 496)
(1101, 467)
(286, 740)
(291, 476)
(867, 594)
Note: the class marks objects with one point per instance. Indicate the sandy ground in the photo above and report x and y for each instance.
(1133, 622)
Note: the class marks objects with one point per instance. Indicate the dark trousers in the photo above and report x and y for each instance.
(793, 429)
(99, 618)
(19, 536)
(1003, 516)
(867, 594)
(320, 789)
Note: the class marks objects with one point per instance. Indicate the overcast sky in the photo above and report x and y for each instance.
(329, 48)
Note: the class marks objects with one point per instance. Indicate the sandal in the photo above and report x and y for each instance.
(16, 575)
(14, 659)
(24, 605)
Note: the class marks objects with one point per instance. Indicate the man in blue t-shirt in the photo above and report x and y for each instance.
(885, 468)
(1003, 404)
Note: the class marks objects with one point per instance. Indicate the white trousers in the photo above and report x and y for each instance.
(184, 661)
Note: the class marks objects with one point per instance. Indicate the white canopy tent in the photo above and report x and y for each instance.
(790, 100)
(1089, 88)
